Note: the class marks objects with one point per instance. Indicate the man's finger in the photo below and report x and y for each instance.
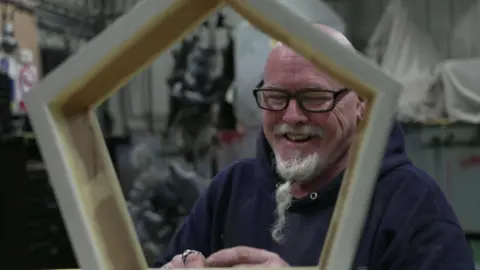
(238, 255)
(168, 265)
(176, 262)
(194, 260)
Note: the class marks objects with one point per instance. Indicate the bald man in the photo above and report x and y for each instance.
(274, 210)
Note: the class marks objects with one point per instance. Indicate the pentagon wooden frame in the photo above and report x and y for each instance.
(75, 154)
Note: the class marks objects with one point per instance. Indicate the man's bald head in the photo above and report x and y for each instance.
(282, 52)
(332, 32)
(335, 34)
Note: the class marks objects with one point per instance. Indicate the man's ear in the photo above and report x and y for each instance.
(360, 109)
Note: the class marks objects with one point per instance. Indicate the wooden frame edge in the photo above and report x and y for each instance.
(65, 124)
(356, 192)
(380, 93)
(138, 51)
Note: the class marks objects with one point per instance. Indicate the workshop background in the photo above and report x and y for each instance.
(165, 155)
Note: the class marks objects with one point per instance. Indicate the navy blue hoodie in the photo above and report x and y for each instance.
(411, 225)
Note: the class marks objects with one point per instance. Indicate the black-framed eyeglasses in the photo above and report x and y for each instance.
(311, 100)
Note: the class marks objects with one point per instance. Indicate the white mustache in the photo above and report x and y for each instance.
(307, 130)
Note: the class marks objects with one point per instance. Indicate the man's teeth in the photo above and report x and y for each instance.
(297, 137)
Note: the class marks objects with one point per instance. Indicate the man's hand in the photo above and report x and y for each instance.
(194, 260)
(245, 257)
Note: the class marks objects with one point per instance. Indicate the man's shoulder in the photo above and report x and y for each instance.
(241, 164)
(409, 179)
(412, 176)
(410, 203)
(415, 193)
(240, 169)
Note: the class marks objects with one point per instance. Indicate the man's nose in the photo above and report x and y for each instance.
(294, 113)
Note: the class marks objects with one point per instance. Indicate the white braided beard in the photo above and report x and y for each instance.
(294, 169)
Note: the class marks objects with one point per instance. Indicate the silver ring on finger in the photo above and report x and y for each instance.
(187, 253)
(165, 266)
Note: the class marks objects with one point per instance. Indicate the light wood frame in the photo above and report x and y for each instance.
(73, 148)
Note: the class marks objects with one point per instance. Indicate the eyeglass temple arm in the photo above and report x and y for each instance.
(259, 84)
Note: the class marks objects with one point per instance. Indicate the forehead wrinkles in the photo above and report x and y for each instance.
(287, 69)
